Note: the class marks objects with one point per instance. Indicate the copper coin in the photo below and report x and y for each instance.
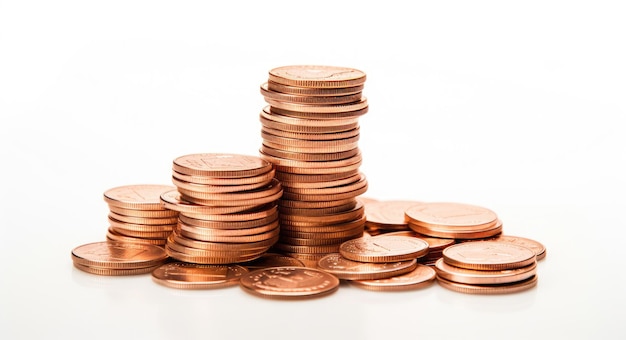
(384, 249)
(138, 197)
(118, 255)
(312, 91)
(215, 232)
(115, 271)
(318, 211)
(143, 220)
(488, 255)
(317, 76)
(346, 269)
(489, 289)
(217, 189)
(282, 162)
(224, 181)
(323, 125)
(296, 98)
(112, 235)
(184, 275)
(308, 157)
(261, 211)
(228, 225)
(174, 201)
(295, 186)
(320, 115)
(285, 176)
(313, 205)
(272, 188)
(538, 248)
(221, 165)
(434, 243)
(471, 276)
(141, 234)
(289, 283)
(477, 232)
(383, 213)
(422, 276)
(450, 214)
(268, 260)
(140, 227)
(156, 214)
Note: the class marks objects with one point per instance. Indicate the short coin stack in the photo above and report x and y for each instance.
(112, 258)
(487, 267)
(137, 215)
(453, 220)
(227, 205)
(380, 263)
(310, 133)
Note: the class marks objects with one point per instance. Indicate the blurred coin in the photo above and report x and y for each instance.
(422, 276)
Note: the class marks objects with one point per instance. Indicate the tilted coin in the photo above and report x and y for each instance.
(450, 214)
(221, 165)
(138, 196)
(383, 213)
(537, 247)
(317, 76)
(384, 249)
(346, 269)
(488, 289)
(118, 255)
(488, 255)
(422, 276)
(472, 276)
(289, 283)
(183, 275)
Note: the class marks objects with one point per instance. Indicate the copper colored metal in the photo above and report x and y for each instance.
(313, 91)
(314, 100)
(488, 255)
(388, 213)
(268, 260)
(422, 276)
(346, 269)
(538, 248)
(450, 214)
(224, 181)
(289, 283)
(182, 275)
(136, 197)
(113, 271)
(118, 255)
(471, 276)
(317, 76)
(384, 249)
(221, 165)
(489, 289)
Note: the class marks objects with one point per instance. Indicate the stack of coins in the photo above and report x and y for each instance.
(436, 245)
(310, 133)
(487, 267)
(137, 215)
(453, 220)
(380, 263)
(227, 205)
(112, 258)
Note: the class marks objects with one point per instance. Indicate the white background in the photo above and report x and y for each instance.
(518, 107)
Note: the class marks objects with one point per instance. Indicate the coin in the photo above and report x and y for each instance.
(489, 289)
(297, 98)
(114, 271)
(137, 197)
(118, 255)
(221, 165)
(268, 260)
(422, 276)
(384, 249)
(388, 213)
(450, 214)
(538, 248)
(471, 276)
(183, 275)
(346, 269)
(488, 255)
(289, 283)
(312, 91)
(317, 76)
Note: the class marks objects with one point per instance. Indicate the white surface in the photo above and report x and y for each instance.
(519, 108)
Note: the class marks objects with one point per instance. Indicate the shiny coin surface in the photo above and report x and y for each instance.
(388, 213)
(118, 255)
(318, 76)
(422, 276)
(221, 165)
(488, 255)
(289, 283)
(489, 289)
(471, 276)
(137, 197)
(353, 270)
(383, 249)
(450, 214)
(183, 275)
(538, 248)
(269, 260)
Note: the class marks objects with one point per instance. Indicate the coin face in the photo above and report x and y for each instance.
(183, 275)
(388, 212)
(420, 277)
(488, 255)
(450, 214)
(140, 196)
(118, 255)
(317, 76)
(221, 165)
(383, 249)
(538, 248)
(289, 282)
(354, 270)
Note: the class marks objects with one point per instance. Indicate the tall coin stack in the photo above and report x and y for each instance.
(227, 208)
(310, 133)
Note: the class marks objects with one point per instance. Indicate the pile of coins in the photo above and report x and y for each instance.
(487, 267)
(227, 208)
(290, 224)
(137, 215)
(310, 133)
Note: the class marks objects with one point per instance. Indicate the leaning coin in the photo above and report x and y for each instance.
(289, 283)
(422, 276)
(488, 255)
(183, 275)
(537, 247)
(118, 255)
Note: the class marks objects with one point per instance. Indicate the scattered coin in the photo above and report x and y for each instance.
(289, 283)
(420, 277)
(183, 275)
